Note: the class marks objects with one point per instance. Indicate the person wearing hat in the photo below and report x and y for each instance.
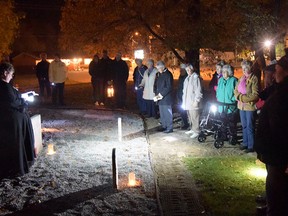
(271, 143)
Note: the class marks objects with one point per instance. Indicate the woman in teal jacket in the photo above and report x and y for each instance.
(225, 90)
(225, 94)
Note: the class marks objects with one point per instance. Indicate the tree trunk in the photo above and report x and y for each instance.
(192, 57)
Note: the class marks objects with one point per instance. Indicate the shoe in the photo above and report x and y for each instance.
(168, 131)
(184, 127)
(161, 129)
(101, 104)
(194, 135)
(248, 150)
(243, 147)
(189, 132)
(96, 103)
(261, 210)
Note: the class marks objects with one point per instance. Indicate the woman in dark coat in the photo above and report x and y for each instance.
(16, 132)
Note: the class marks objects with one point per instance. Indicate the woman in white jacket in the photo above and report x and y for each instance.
(192, 96)
(148, 84)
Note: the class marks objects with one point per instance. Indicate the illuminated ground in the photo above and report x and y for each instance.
(77, 179)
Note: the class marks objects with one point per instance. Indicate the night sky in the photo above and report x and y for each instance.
(39, 30)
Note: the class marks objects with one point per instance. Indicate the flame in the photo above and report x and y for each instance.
(50, 150)
(132, 179)
(110, 91)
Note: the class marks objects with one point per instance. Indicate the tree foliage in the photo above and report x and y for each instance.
(90, 26)
(9, 23)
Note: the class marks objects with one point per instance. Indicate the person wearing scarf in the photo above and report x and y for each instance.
(246, 94)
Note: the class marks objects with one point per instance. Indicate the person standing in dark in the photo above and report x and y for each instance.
(16, 132)
(57, 77)
(271, 143)
(215, 78)
(138, 75)
(164, 89)
(183, 113)
(97, 80)
(106, 67)
(42, 73)
(121, 74)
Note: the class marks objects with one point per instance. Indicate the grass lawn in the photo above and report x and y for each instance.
(229, 184)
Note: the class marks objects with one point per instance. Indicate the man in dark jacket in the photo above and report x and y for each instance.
(272, 144)
(42, 69)
(97, 80)
(120, 74)
(164, 88)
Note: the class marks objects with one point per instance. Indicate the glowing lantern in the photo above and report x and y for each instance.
(50, 150)
(110, 89)
(132, 179)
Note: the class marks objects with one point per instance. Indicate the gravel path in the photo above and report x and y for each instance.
(77, 179)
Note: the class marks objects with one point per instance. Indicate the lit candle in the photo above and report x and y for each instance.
(50, 150)
(131, 179)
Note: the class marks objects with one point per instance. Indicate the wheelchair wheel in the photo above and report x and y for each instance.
(201, 137)
(218, 143)
(233, 140)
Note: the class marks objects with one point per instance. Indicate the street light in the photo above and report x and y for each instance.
(267, 43)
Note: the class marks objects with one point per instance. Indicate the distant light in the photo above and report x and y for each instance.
(267, 43)
(136, 33)
(139, 54)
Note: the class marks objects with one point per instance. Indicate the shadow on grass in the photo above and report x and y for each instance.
(66, 202)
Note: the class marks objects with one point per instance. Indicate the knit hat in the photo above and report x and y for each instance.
(283, 62)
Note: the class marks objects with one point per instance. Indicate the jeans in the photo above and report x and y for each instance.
(58, 93)
(248, 127)
(166, 116)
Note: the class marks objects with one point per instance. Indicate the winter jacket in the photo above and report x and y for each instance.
(164, 86)
(106, 70)
(120, 73)
(271, 142)
(138, 74)
(148, 84)
(192, 92)
(42, 69)
(95, 71)
(225, 94)
(57, 72)
(247, 101)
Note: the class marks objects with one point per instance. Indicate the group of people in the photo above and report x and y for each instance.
(106, 71)
(53, 75)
